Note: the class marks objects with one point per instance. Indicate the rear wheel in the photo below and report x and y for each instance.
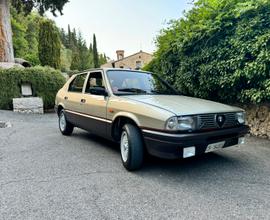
(132, 148)
(65, 127)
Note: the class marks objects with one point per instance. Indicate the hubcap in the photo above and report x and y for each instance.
(124, 146)
(62, 122)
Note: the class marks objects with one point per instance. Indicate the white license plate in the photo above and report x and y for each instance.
(215, 146)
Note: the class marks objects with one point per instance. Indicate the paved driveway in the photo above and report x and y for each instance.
(44, 175)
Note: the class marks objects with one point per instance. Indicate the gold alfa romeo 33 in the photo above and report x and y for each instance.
(146, 115)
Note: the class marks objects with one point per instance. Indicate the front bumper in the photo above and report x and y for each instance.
(170, 146)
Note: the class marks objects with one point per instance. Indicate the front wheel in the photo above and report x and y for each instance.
(132, 148)
(65, 127)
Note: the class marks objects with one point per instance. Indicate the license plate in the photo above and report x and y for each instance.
(215, 146)
(241, 140)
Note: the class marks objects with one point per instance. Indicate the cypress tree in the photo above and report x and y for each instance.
(75, 47)
(83, 52)
(69, 38)
(74, 39)
(75, 62)
(63, 37)
(90, 56)
(95, 52)
(49, 46)
(91, 48)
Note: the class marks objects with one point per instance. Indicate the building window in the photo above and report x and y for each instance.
(138, 65)
(122, 67)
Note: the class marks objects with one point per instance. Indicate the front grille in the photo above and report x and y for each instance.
(209, 121)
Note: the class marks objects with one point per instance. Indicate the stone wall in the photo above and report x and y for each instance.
(258, 118)
(32, 105)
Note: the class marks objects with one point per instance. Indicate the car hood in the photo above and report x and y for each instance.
(183, 105)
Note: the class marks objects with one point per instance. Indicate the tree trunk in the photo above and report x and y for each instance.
(6, 46)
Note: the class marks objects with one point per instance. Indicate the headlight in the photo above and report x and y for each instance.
(241, 117)
(185, 123)
(172, 123)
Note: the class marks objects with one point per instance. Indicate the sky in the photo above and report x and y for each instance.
(121, 24)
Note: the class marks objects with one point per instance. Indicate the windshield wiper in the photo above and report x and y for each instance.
(133, 90)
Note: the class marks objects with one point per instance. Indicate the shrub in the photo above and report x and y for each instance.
(70, 73)
(45, 83)
(219, 51)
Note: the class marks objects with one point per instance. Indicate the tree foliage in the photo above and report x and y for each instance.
(74, 53)
(82, 57)
(219, 50)
(66, 59)
(49, 46)
(41, 5)
(25, 35)
(102, 59)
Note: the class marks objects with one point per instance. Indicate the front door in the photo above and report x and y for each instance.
(95, 104)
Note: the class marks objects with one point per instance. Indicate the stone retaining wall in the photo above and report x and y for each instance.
(258, 118)
(28, 105)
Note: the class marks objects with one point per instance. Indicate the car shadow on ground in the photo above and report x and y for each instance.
(218, 161)
(110, 145)
(210, 160)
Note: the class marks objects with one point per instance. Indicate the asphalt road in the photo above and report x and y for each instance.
(44, 175)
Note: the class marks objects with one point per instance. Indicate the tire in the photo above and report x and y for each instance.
(132, 147)
(65, 127)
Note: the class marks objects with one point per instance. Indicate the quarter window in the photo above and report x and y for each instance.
(77, 84)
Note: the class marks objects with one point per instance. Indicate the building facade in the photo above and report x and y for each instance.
(136, 61)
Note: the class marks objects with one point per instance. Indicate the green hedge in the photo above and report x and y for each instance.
(219, 51)
(45, 83)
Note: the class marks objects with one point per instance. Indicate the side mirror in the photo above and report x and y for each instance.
(105, 94)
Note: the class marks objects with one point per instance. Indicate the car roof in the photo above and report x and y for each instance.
(110, 69)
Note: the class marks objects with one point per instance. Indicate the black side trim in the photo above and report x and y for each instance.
(94, 125)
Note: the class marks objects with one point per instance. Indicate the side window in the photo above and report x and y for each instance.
(95, 84)
(77, 84)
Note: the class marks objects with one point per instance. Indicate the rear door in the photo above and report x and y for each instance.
(95, 104)
(73, 99)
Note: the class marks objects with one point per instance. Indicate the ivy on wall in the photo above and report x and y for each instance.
(45, 83)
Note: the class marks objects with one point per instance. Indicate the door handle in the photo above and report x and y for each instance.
(66, 98)
(83, 100)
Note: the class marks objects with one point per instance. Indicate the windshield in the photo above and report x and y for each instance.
(124, 82)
